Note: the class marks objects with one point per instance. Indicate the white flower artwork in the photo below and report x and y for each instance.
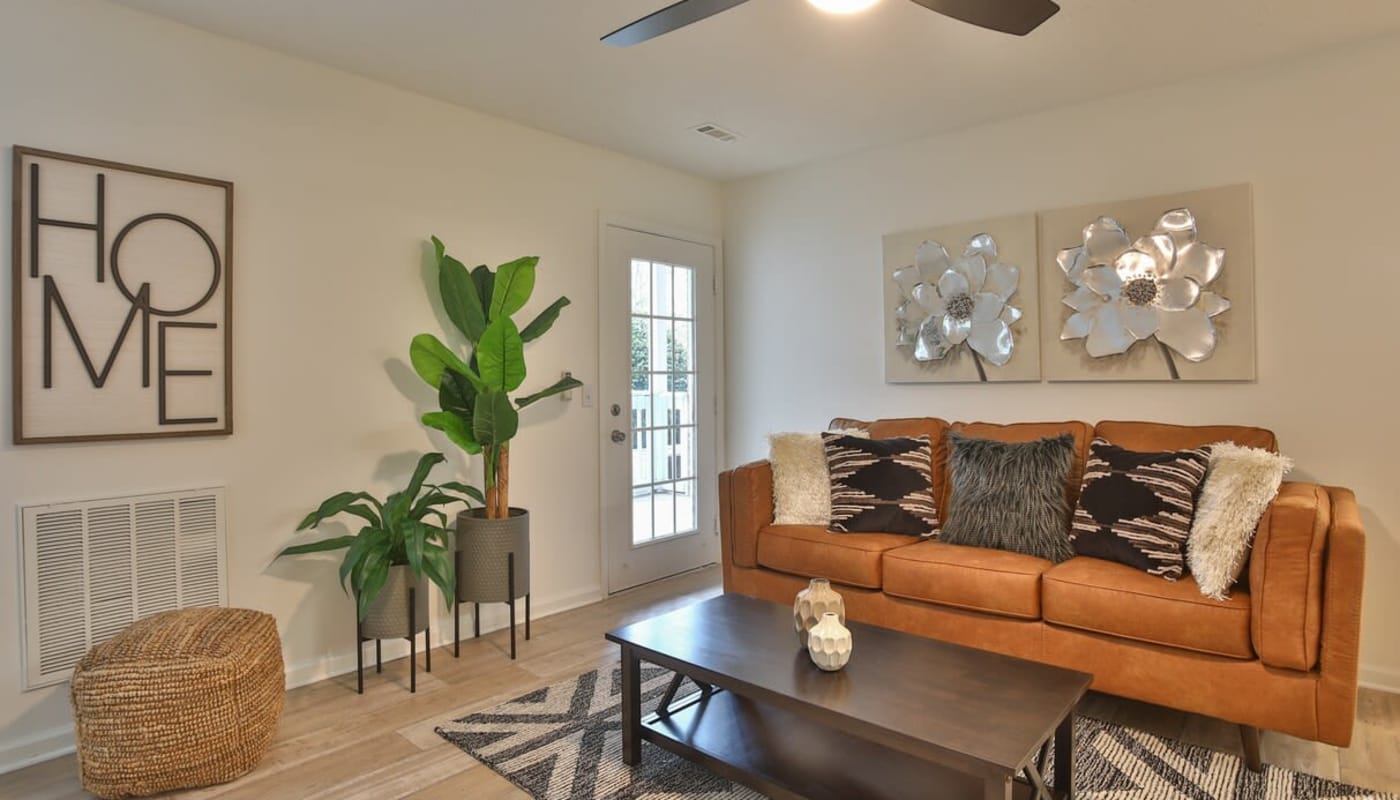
(956, 315)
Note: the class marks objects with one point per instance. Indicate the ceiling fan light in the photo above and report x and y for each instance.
(843, 6)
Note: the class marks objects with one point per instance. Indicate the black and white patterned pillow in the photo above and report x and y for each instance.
(881, 485)
(1136, 508)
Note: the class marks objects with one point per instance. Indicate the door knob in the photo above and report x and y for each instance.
(619, 437)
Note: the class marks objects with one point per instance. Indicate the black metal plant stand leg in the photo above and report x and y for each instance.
(359, 649)
(412, 643)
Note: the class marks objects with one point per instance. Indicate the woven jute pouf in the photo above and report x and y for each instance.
(178, 700)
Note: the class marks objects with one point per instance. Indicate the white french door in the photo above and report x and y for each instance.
(658, 396)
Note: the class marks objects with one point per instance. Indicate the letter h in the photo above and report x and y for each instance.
(99, 227)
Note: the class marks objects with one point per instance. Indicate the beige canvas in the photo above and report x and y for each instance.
(1224, 218)
(1016, 245)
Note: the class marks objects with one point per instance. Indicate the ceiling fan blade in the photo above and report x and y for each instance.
(668, 19)
(1018, 17)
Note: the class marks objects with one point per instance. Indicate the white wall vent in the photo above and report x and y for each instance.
(716, 132)
(93, 567)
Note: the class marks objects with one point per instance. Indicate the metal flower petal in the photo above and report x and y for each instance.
(1177, 294)
(1002, 280)
(1073, 261)
(1082, 299)
(906, 278)
(1135, 264)
(1213, 304)
(1199, 262)
(1162, 250)
(952, 283)
(930, 344)
(1141, 321)
(1109, 336)
(986, 307)
(927, 298)
(1077, 326)
(993, 340)
(974, 268)
(1180, 224)
(955, 330)
(1104, 280)
(1010, 315)
(1104, 241)
(1189, 333)
(982, 245)
(932, 260)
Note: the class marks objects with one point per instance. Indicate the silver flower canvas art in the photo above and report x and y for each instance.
(960, 303)
(1155, 289)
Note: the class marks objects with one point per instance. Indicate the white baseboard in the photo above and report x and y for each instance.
(1385, 679)
(59, 741)
(493, 618)
(35, 749)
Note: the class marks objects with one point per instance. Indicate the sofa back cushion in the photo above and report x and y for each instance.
(934, 428)
(1158, 436)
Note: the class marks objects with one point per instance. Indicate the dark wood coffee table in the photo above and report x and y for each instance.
(907, 718)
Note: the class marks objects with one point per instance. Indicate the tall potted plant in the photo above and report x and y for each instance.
(404, 543)
(477, 410)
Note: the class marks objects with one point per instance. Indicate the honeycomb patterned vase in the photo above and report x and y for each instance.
(829, 643)
(811, 603)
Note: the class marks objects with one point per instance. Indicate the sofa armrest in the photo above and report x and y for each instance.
(745, 506)
(1341, 619)
(1285, 576)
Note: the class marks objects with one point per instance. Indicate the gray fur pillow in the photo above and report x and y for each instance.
(1010, 496)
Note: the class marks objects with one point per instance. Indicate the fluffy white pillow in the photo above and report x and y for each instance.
(1241, 483)
(801, 483)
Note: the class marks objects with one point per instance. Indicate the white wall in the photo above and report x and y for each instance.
(339, 180)
(1316, 137)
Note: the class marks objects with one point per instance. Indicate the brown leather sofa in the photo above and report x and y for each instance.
(1280, 654)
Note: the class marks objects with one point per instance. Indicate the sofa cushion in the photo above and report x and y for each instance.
(1010, 495)
(1118, 600)
(881, 485)
(813, 552)
(1158, 436)
(935, 429)
(975, 578)
(1082, 432)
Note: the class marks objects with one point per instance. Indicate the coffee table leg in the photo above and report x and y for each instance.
(631, 707)
(1064, 758)
(997, 789)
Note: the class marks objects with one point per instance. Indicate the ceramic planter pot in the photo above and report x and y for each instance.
(387, 617)
(483, 546)
(811, 603)
(829, 643)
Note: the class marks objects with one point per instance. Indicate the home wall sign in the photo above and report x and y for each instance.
(121, 301)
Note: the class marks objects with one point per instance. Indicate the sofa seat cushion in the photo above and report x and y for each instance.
(991, 581)
(814, 552)
(1118, 600)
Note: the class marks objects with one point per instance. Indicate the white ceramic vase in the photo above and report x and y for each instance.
(829, 643)
(811, 603)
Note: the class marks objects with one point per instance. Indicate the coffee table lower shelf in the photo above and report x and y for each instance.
(785, 756)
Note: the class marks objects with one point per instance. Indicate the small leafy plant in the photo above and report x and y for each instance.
(477, 412)
(406, 528)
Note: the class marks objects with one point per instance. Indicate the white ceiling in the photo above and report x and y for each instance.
(796, 83)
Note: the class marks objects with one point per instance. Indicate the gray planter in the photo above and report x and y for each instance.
(483, 546)
(387, 617)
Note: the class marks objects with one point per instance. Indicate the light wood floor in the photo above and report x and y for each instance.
(335, 744)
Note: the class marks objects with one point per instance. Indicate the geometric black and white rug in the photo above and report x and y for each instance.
(564, 742)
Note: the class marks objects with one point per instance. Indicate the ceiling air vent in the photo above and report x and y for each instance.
(716, 132)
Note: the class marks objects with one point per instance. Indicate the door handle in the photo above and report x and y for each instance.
(619, 437)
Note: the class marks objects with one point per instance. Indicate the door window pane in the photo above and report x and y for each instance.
(661, 290)
(683, 292)
(663, 511)
(641, 287)
(683, 500)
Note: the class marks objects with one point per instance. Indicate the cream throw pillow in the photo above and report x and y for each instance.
(801, 483)
(1241, 483)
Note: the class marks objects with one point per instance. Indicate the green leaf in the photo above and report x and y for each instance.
(485, 281)
(374, 572)
(414, 536)
(430, 357)
(460, 298)
(456, 393)
(430, 501)
(496, 420)
(367, 538)
(542, 323)
(322, 546)
(420, 473)
(501, 356)
(345, 502)
(438, 249)
(457, 429)
(462, 488)
(396, 509)
(514, 284)
(437, 566)
(562, 385)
